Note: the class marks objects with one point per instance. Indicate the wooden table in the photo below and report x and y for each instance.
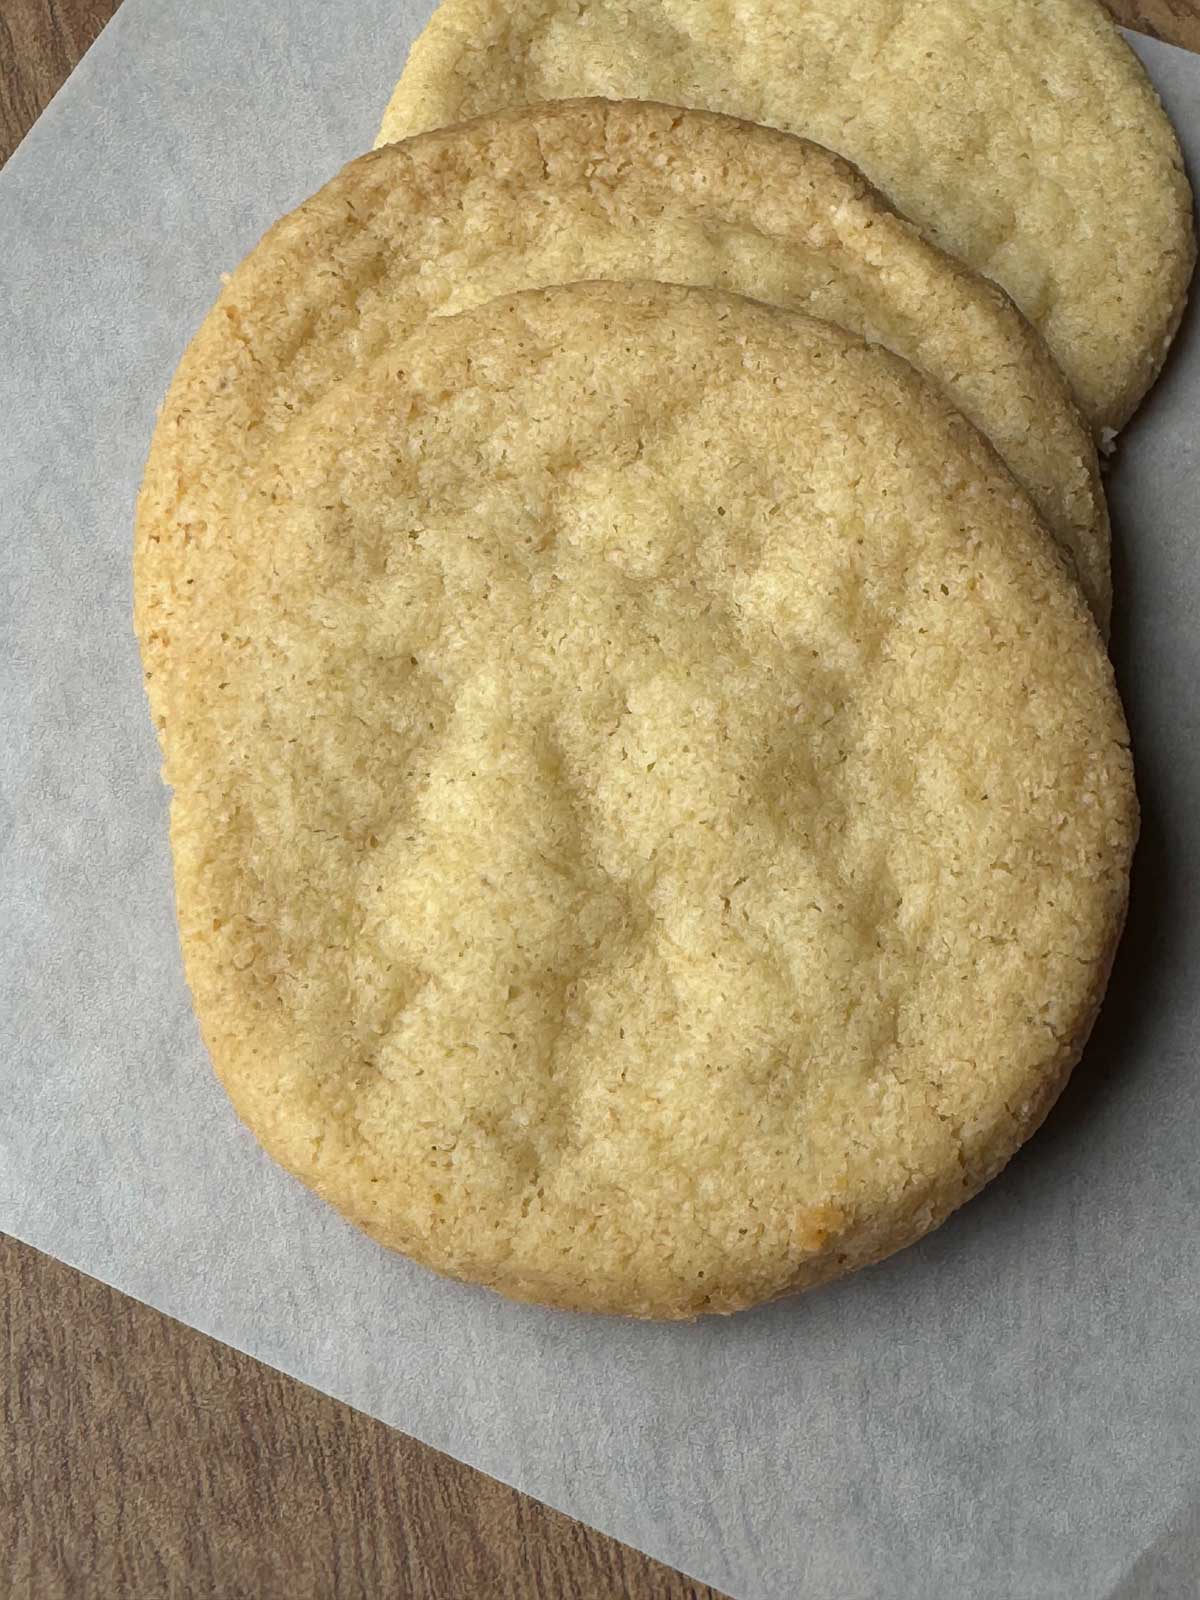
(140, 1458)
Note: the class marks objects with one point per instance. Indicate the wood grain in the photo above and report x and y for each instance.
(40, 41)
(140, 1458)
(1176, 21)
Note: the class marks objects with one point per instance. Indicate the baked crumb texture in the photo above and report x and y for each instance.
(591, 189)
(651, 812)
(1021, 135)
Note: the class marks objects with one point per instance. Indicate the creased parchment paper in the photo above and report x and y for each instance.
(1009, 1410)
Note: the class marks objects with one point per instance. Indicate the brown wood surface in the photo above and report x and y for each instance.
(1176, 21)
(138, 1457)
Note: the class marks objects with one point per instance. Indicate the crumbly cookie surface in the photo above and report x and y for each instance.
(1022, 136)
(651, 814)
(592, 189)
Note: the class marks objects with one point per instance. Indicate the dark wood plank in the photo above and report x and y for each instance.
(141, 1458)
(1176, 21)
(40, 41)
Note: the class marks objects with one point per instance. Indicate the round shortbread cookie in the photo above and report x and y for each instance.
(1021, 135)
(651, 813)
(591, 189)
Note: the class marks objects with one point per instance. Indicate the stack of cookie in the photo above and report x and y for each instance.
(622, 592)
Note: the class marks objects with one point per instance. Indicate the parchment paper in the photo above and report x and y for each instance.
(1008, 1410)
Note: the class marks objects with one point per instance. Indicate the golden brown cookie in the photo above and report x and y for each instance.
(597, 190)
(651, 812)
(1021, 135)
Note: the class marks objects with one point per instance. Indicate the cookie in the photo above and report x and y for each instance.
(651, 813)
(598, 190)
(1021, 135)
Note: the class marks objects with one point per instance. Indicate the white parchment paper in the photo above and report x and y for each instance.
(1008, 1410)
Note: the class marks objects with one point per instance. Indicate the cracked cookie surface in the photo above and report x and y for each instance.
(651, 813)
(1022, 136)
